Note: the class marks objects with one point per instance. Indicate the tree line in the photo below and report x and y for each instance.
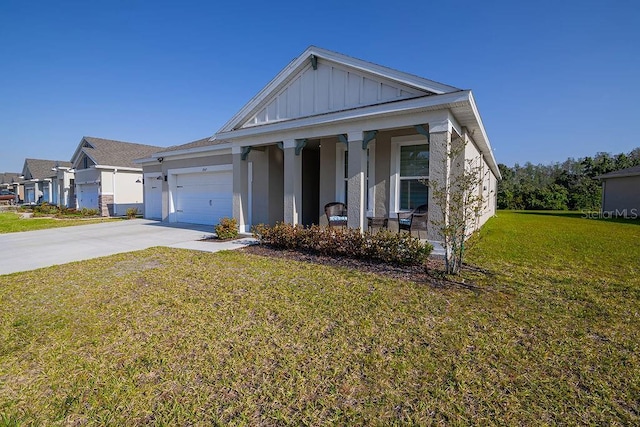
(570, 185)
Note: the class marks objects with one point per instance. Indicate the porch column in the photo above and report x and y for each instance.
(356, 200)
(292, 182)
(240, 189)
(440, 172)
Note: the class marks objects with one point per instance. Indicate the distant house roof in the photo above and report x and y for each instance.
(108, 152)
(9, 177)
(41, 169)
(632, 171)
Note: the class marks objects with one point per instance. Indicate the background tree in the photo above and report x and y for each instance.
(571, 184)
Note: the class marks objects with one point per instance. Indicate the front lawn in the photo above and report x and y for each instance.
(11, 222)
(550, 335)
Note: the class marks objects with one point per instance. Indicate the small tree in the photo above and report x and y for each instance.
(459, 196)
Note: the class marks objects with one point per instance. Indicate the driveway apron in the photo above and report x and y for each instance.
(43, 248)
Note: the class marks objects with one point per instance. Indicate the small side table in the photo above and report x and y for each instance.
(378, 222)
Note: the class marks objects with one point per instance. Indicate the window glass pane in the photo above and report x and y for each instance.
(413, 193)
(414, 160)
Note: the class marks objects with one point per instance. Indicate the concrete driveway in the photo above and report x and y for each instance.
(43, 248)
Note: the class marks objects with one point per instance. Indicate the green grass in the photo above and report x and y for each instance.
(173, 337)
(11, 223)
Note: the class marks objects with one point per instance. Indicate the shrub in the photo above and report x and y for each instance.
(384, 246)
(89, 212)
(45, 209)
(227, 229)
(132, 213)
(64, 211)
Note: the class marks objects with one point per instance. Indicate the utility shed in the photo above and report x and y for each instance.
(621, 193)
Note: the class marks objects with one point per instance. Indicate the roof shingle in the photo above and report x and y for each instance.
(40, 169)
(109, 152)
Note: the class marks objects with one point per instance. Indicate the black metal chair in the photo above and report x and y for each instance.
(414, 220)
(336, 214)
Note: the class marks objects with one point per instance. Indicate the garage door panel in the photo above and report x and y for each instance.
(88, 196)
(203, 198)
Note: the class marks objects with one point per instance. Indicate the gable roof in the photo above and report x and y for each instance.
(109, 152)
(41, 169)
(350, 83)
(632, 171)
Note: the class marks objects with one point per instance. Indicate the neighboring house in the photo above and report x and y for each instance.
(12, 181)
(48, 181)
(621, 192)
(7, 179)
(106, 177)
(328, 127)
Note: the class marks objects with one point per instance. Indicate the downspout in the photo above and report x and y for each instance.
(113, 183)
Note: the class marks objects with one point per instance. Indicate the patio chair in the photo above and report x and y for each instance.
(414, 220)
(336, 214)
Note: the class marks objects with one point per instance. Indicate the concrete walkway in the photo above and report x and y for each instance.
(43, 248)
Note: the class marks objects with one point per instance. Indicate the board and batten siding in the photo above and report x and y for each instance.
(329, 88)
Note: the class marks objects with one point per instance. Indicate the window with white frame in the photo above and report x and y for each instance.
(410, 172)
(342, 176)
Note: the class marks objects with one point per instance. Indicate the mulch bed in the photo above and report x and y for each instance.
(431, 274)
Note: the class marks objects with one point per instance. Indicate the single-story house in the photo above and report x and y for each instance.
(12, 181)
(48, 181)
(327, 128)
(7, 179)
(106, 177)
(621, 192)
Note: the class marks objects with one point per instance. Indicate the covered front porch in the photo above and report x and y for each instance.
(375, 172)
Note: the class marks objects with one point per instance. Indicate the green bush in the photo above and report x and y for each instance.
(64, 211)
(227, 229)
(132, 213)
(45, 209)
(383, 246)
(89, 212)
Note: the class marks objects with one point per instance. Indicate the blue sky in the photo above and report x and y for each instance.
(552, 79)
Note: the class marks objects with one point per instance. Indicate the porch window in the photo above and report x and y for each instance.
(409, 173)
(414, 171)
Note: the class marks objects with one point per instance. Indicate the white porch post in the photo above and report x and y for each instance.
(292, 182)
(240, 189)
(439, 171)
(356, 201)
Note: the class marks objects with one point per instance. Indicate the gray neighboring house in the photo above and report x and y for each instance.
(7, 179)
(48, 181)
(12, 181)
(106, 178)
(621, 192)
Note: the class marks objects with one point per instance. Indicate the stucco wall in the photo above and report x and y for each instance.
(169, 164)
(621, 196)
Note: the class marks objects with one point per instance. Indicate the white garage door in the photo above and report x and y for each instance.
(203, 198)
(88, 196)
(152, 197)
